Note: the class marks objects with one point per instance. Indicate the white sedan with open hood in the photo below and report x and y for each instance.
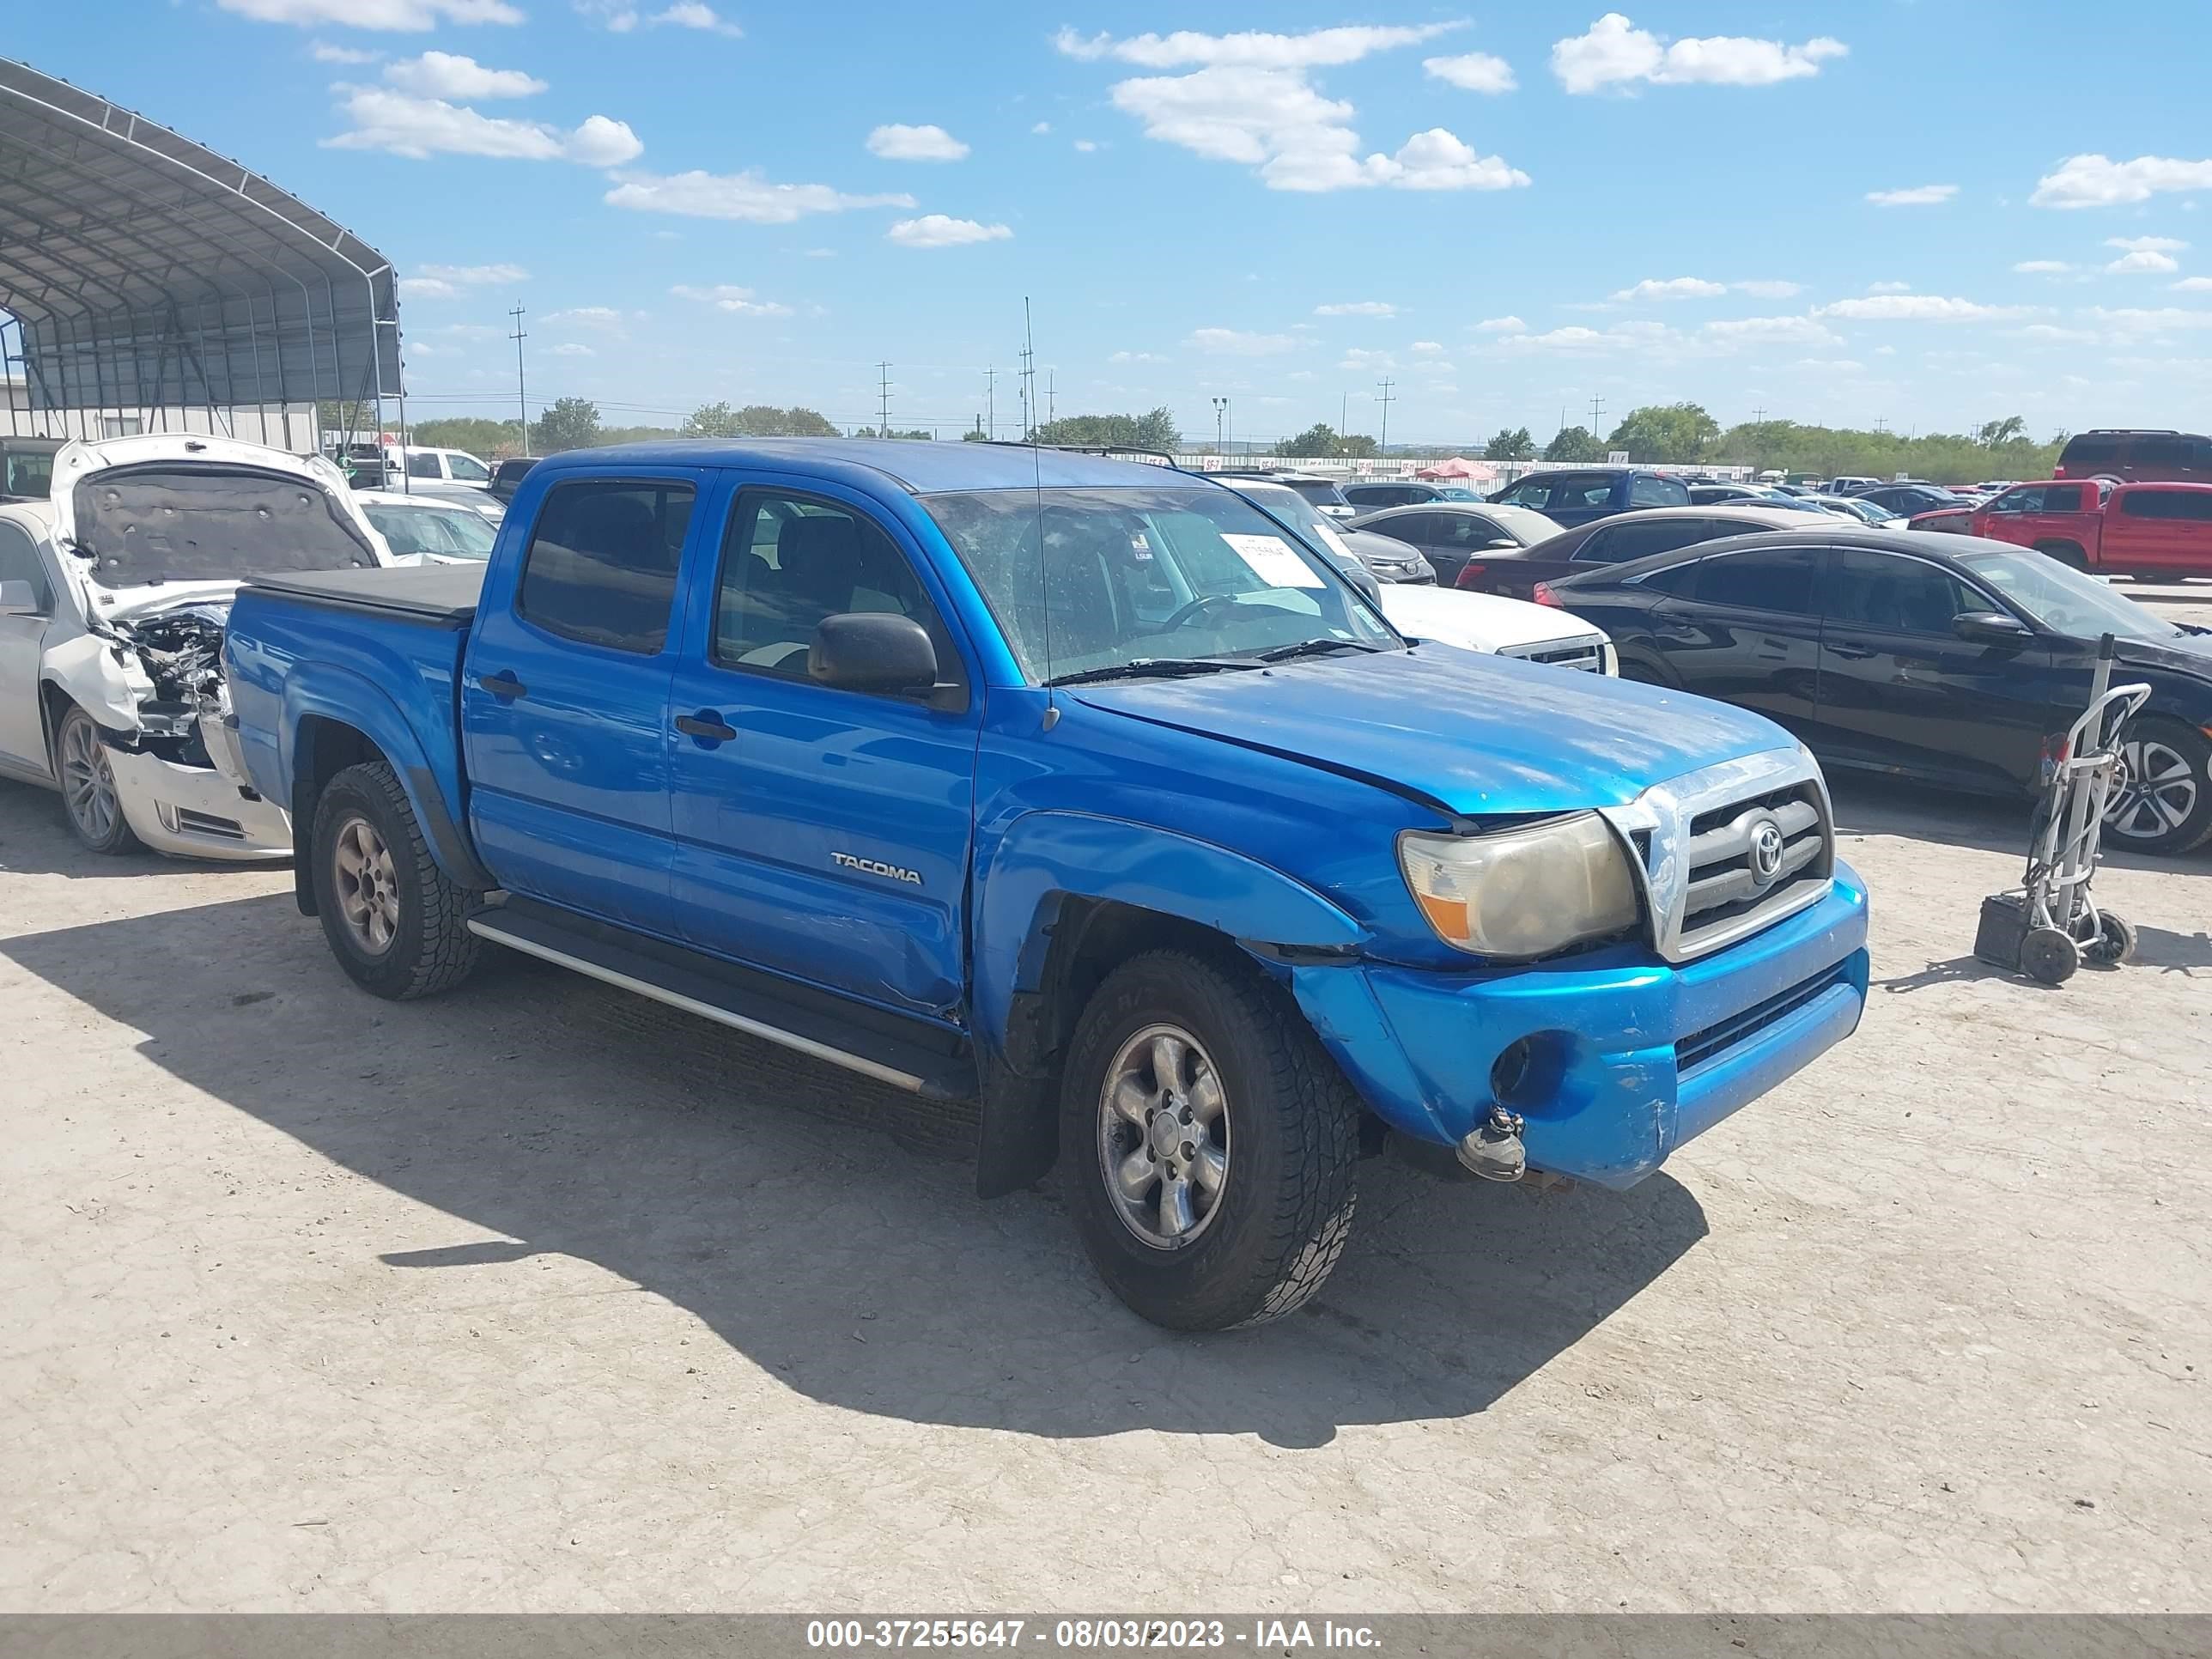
(113, 598)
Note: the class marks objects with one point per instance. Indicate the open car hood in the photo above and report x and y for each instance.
(119, 492)
(1479, 621)
(1478, 735)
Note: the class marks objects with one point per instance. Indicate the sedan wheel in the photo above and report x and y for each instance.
(88, 785)
(1164, 1136)
(2161, 801)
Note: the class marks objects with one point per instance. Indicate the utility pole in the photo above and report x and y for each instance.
(990, 407)
(522, 395)
(1029, 375)
(1383, 396)
(883, 400)
(1343, 413)
(1759, 416)
(1051, 397)
(1597, 417)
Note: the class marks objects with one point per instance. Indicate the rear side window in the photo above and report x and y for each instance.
(601, 565)
(2061, 498)
(1778, 578)
(1411, 527)
(2189, 504)
(1679, 581)
(2032, 498)
(1648, 491)
(1618, 544)
(2089, 450)
(423, 466)
(1895, 595)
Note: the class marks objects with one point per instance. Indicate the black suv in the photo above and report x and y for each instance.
(507, 475)
(1572, 496)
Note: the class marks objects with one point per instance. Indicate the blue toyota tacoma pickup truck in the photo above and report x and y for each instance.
(1083, 788)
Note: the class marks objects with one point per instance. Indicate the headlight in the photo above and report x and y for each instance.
(1522, 893)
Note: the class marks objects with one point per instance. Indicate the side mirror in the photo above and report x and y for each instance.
(1499, 542)
(871, 651)
(19, 599)
(1989, 628)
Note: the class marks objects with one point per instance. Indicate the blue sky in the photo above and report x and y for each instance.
(1928, 212)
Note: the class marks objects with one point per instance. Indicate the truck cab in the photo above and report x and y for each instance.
(1086, 791)
(2147, 531)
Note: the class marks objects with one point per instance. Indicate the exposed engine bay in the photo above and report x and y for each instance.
(181, 653)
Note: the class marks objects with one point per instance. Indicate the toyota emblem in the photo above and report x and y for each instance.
(1766, 849)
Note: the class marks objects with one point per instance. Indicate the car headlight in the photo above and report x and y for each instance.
(1522, 893)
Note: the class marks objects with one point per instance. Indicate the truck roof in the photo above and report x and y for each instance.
(919, 467)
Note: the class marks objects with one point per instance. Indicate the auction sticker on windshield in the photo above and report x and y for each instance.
(1271, 560)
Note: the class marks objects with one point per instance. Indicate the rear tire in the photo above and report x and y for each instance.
(397, 924)
(89, 800)
(2162, 802)
(1179, 1063)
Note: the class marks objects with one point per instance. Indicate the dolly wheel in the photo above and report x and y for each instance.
(2115, 942)
(2049, 955)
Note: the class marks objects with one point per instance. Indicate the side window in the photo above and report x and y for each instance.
(1420, 528)
(423, 466)
(2058, 498)
(468, 467)
(1597, 548)
(601, 564)
(2159, 455)
(1896, 595)
(790, 560)
(1778, 578)
(1677, 580)
(1618, 544)
(1530, 492)
(1470, 531)
(2154, 504)
(2029, 498)
(1647, 491)
(20, 562)
(2090, 452)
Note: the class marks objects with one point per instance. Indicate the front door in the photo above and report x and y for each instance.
(564, 707)
(822, 833)
(1751, 634)
(23, 641)
(1901, 691)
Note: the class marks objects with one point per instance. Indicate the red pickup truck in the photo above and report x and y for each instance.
(2148, 531)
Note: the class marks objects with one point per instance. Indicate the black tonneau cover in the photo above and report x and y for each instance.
(439, 593)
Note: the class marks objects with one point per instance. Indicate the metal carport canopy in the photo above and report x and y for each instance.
(146, 271)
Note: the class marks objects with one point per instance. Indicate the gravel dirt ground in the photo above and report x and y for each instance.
(538, 1298)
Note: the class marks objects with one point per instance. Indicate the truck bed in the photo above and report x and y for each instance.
(436, 593)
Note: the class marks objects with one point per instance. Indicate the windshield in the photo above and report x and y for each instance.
(2066, 601)
(1320, 491)
(1526, 524)
(1454, 493)
(171, 521)
(1082, 580)
(28, 473)
(451, 532)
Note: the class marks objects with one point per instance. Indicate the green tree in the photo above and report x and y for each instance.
(566, 423)
(1573, 444)
(2011, 430)
(767, 421)
(1358, 446)
(1154, 429)
(1665, 432)
(1512, 443)
(712, 421)
(1318, 441)
(473, 433)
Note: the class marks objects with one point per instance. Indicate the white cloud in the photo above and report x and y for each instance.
(2147, 244)
(393, 15)
(446, 282)
(422, 127)
(1889, 288)
(1252, 49)
(1358, 308)
(1427, 346)
(1615, 52)
(941, 230)
(1249, 101)
(2160, 321)
(1673, 288)
(571, 349)
(1918, 308)
(896, 142)
(1629, 337)
(2050, 333)
(1085, 145)
(2087, 181)
(322, 52)
(728, 296)
(1473, 71)
(1501, 325)
(605, 316)
(444, 75)
(2043, 267)
(1768, 290)
(690, 14)
(1234, 343)
(2192, 285)
(2144, 261)
(1358, 358)
(1772, 331)
(1136, 357)
(1914, 196)
(1829, 366)
(742, 195)
(1042, 128)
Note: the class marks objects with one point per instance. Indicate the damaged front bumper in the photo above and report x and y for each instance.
(1609, 1069)
(191, 810)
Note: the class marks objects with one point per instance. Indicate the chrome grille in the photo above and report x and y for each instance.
(1729, 850)
(1588, 655)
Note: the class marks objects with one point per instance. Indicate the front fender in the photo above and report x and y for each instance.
(1047, 858)
(323, 690)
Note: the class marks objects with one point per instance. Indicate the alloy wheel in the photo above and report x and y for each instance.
(367, 886)
(87, 782)
(1163, 1145)
(2155, 792)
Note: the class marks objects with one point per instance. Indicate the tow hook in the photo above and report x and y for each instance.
(1494, 1150)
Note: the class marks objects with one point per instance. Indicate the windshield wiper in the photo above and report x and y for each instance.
(1146, 667)
(1314, 647)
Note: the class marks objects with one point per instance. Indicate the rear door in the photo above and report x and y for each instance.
(1900, 691)
(1425, 531)
(1748, 632)
(1578, 498)
(822, 833)
(2154, 532)
(564, 699)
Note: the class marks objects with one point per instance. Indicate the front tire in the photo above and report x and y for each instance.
(89, 800)
(395, 922)
(2162, 800)
(1210, 1143)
